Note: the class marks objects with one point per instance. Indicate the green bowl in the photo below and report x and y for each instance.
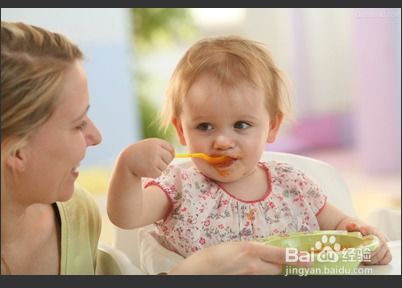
(330, 252)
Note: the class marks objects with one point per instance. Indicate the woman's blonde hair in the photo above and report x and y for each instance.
(33, 63)
(230, 60)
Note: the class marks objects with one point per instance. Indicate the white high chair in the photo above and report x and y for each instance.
(146, 254)
(111, 261)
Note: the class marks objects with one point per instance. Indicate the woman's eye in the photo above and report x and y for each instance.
(241, 125)
(204, 127)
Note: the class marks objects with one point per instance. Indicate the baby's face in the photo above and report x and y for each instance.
(225, 121)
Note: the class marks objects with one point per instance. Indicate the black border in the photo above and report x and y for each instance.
(205, 3)
(195, 281)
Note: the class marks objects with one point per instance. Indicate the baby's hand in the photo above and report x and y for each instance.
(149, 157)
(380, 256)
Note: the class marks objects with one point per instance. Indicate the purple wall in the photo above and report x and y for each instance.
(377, 94)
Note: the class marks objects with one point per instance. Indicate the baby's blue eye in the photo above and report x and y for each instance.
(204, 126)
(241, 125)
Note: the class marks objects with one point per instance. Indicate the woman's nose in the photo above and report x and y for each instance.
(223, 142)
(94, 137)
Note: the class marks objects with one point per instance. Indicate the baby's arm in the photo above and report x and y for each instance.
(129, 205)
(331, 218)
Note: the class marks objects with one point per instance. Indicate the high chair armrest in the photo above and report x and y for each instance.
(387, 221)
(112, 261)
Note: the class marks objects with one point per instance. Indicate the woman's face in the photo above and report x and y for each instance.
(54, 152)
(230, 121)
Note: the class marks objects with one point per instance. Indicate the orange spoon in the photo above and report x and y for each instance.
(209, 159)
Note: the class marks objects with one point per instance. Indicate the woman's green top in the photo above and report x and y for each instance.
(80, 231)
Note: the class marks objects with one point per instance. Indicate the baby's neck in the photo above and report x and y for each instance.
(251, 187)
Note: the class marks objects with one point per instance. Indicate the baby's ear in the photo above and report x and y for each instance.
(274, 125)
(179, 131)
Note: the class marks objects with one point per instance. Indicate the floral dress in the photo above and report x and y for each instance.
(204, 214)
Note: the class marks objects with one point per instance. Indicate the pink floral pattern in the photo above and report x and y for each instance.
(204, 214)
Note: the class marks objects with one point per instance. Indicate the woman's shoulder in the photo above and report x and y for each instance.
(80, 230)
(82, 202)
(81, 208)
(81, 196)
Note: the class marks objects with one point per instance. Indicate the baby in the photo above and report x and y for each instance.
(225, 98)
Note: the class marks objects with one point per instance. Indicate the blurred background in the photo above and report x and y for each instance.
(344, 67)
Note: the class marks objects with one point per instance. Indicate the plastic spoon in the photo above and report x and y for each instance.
(209, 159)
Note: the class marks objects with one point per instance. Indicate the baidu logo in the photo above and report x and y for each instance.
(327, 249)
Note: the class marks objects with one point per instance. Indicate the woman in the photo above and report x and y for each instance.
(49, 225)
(45, 131)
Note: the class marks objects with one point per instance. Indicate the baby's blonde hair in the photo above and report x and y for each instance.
(231, 60)
(33, 64)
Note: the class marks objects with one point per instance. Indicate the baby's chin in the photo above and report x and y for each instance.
(227, 175)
